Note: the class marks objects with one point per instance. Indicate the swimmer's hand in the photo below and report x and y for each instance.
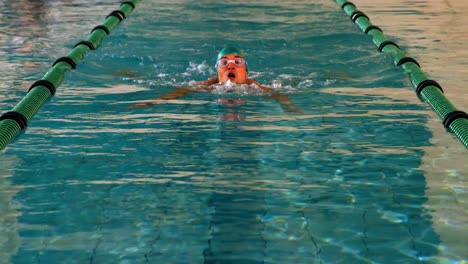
(147, 104)
(286, 103)
(292, 109)
(126, 73)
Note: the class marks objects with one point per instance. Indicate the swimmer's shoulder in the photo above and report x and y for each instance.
(205, 85)
(209, 82)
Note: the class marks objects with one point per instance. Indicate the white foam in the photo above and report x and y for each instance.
(234, 88)
(198, 69)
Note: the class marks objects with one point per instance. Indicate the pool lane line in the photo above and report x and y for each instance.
(427, 90)
(15, 121)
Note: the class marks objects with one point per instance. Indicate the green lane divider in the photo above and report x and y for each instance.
(16, 120)
(428, 90)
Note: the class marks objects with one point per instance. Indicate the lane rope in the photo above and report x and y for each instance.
(13, 122)
(427, 89)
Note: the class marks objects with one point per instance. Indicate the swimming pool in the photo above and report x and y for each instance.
(357, 178)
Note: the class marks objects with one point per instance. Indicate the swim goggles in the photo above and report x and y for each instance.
(239, 62)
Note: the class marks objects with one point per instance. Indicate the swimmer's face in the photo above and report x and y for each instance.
(232, 72)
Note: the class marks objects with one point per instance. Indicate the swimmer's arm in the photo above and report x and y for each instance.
(179, 92)
(282, 99)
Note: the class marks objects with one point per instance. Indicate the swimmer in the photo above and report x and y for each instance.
(232, 68)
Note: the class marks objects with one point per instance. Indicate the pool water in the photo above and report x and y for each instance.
(225, 176)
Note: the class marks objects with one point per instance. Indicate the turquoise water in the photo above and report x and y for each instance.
(196, 180)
